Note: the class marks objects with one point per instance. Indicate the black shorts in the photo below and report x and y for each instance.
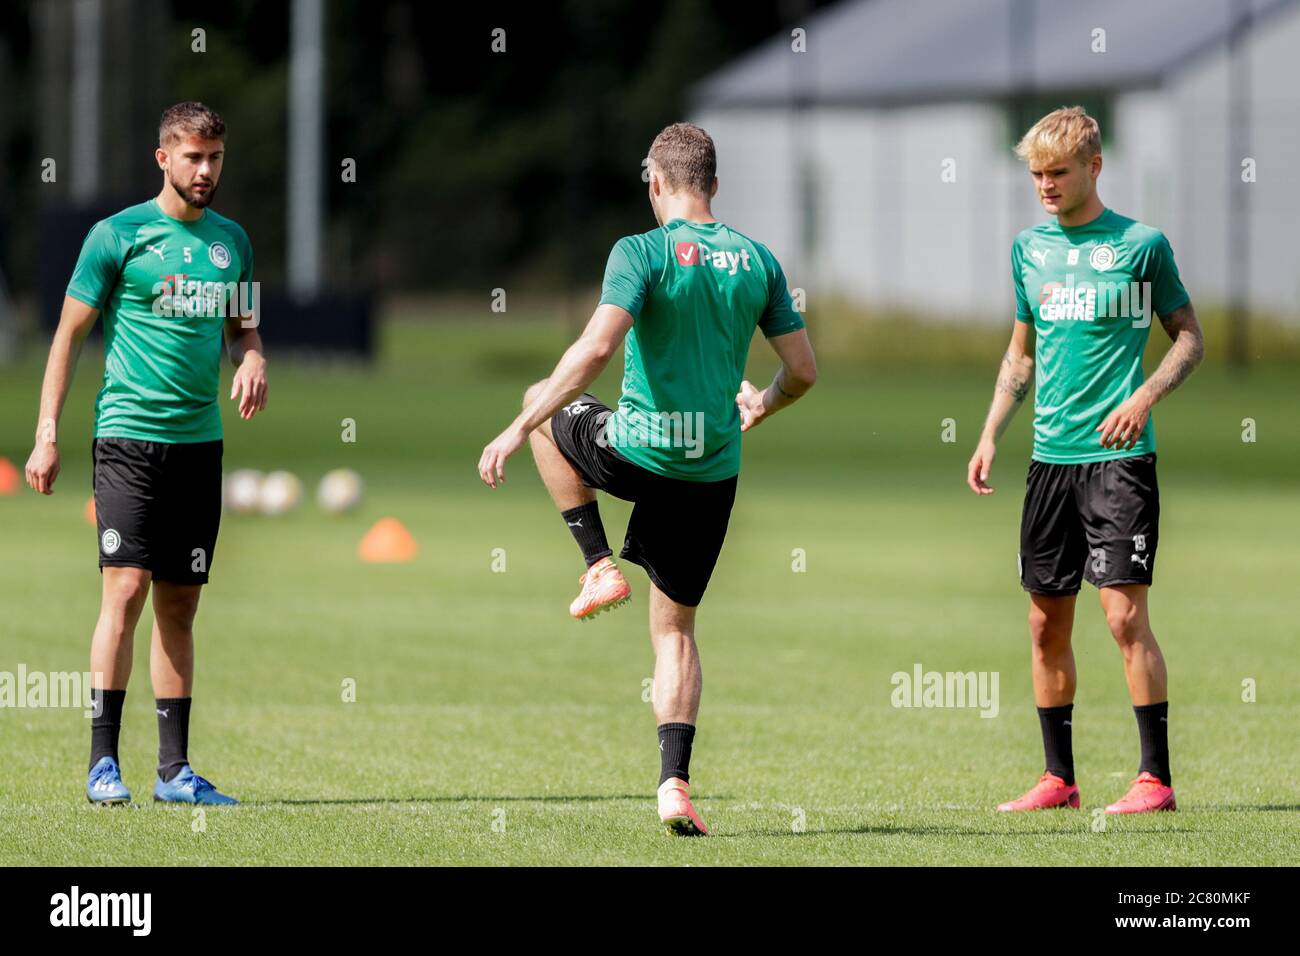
(677, 527)
(158, 506)
(1096, 520)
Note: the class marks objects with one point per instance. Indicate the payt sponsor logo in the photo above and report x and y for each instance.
(698, 253)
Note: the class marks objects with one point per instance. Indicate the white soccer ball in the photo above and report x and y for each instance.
(281, 492)
(242, 490)
(339, 491)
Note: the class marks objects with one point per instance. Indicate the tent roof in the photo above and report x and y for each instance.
(894, 52)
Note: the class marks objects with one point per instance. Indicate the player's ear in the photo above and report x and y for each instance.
(713, 190)
(160, 155)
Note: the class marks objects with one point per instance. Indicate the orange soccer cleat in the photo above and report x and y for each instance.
(603, 588)
(1145, 795)
(676, 811)
(1050, 791)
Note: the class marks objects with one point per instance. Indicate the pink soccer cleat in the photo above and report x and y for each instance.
(603, 588)
(675, 809)
(1145, 794)
(1050, 791)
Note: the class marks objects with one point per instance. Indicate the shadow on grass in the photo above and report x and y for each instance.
(466, 798)
(948, 832)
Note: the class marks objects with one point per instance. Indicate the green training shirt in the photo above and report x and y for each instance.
(696, 292)
(161, 370)
(1090, 291)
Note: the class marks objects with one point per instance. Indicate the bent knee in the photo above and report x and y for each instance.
(674, 641)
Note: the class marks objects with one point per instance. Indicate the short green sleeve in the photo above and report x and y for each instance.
(246, 257)
(629, 277)
(1167, 292)
(1023, 311)
(98, 266)
(780, 316)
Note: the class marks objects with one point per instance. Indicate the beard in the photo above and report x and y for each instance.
(197, 200)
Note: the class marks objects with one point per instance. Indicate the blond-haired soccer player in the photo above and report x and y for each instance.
(1086, 284)
(685, 299)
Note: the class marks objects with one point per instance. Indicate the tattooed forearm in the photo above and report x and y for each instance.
(1182, 358)
(1178, 363)
(1014, 376)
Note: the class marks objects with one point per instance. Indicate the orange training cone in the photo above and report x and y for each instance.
(89, 510)
(387, 541)
(9, 477)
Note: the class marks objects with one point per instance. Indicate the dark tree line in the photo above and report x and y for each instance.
(471, 165)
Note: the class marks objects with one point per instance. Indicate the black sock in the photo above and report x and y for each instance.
(1153, 731)
(105, 723)
(173, 735)
(1058, 742)
(675, 751)
(584, 522)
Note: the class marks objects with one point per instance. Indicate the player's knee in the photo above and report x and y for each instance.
(532, 391)
(127, 588)
(1047, 630)
(674, 642)
(1126, 624)
(175, 614)
(178, 627)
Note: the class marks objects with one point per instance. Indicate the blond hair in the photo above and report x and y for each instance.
(685, 155)
(1067, 133)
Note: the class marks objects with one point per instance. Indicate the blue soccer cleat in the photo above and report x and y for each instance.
(188, 787)
(104, 784)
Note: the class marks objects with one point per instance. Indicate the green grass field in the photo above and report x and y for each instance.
(488, 728)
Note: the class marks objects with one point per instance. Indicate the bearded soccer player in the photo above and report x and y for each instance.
(1086, 284)
(169, 277)
(687, 298)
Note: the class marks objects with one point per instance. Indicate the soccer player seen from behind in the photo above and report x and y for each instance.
(687, 298)
(1086, 285)
(169, 276)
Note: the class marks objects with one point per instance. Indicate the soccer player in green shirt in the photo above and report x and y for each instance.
(1086, 285)
(170, 277)
(684, 299)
